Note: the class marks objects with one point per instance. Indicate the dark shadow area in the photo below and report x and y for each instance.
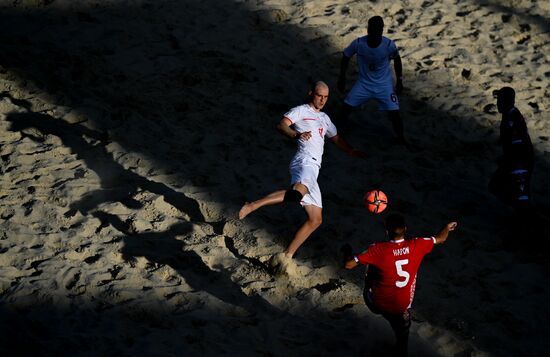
(158, 247)
(165, 96)
(525, 18)
(117, 183)
(107, 330)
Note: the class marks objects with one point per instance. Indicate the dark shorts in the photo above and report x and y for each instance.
(400, 323)
(513, 186)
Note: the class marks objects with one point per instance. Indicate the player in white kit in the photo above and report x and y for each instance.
(308, 125)
(374, 55)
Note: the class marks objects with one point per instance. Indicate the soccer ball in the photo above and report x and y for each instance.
(375, 201)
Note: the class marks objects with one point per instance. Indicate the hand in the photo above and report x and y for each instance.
(346, 252)
(306, 135)
(341, 84)
(399, 86)
(451, 226)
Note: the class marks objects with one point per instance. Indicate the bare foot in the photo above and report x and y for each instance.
(283, 264)
(288, 255)
(245, 210)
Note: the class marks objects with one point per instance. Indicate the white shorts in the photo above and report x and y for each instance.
(362, 92)
(306, 173)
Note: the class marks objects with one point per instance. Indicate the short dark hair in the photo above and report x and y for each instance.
(395, 225)
(376, 22)
(506, 93)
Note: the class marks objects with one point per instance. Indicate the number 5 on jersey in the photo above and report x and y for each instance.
(402, 273)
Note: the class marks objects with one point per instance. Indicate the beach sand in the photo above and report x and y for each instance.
(133, 131)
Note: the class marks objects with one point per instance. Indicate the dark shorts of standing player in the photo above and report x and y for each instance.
(400, 323)
(511, 183)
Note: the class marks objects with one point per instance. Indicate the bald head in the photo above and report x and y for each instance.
(318, 95)
(317, 85)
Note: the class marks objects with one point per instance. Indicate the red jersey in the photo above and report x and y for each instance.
(392, 271)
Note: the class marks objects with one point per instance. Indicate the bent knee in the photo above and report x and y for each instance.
(316, 221)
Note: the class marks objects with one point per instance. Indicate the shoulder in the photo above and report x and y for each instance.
(388, 43)
(517, 114)
(297, 109)
(429, 241)
(512, 118)
(377, 246)
(359, 40)
(324, 116)
(374, 245)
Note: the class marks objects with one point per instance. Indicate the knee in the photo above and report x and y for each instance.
(316, 221)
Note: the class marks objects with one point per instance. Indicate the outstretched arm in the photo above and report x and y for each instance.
(444, 233)
(342, 77)
(398, 68)
(345, 147)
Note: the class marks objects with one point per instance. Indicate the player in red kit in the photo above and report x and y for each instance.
(391, 274)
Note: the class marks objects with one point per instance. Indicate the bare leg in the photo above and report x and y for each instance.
(271, 199)
(314, 220)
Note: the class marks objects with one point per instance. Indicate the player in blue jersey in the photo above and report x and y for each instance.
(374, 55)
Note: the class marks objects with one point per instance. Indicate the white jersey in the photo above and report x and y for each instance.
(374, 63)
(305, 118)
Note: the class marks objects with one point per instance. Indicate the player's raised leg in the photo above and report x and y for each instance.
(271, 199)
(294, 194)
(314, 220)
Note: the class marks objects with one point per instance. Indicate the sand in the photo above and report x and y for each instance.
(133, 131)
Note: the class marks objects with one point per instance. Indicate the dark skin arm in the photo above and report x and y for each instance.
(342, 77)
(398, 68)
(444, 232)
(346, 147)
(350, 264)
(347, 254)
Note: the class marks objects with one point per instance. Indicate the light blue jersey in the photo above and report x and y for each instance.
(375, 75)
(374, 63)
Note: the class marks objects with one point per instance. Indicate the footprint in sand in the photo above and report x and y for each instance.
(426, 4)
(329, 10)
(72, 280)
(283, 265)
(400, 17)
